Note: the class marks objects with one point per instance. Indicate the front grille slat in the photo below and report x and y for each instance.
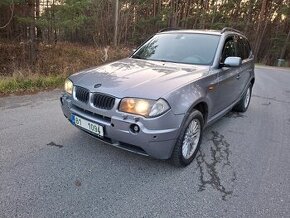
(111, 102)
(107, 104)
(99, 100)
(103, 101)
(82, 94)
(101, 105)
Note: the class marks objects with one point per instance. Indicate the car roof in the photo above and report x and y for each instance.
(226, 31)
(211, 32)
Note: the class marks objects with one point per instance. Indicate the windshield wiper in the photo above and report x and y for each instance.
(162, 60)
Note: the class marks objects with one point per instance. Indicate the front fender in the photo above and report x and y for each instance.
(185, 98)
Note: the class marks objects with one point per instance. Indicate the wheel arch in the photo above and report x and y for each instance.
(202, 107)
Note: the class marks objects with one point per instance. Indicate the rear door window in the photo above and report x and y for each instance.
(248, 48)
(243, 49)
(229, 49)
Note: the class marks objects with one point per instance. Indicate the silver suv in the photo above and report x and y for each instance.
(158, 101)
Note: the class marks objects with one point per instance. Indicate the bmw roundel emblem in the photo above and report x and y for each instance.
(97, 85)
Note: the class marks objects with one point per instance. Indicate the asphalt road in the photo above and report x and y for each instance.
(48, 168)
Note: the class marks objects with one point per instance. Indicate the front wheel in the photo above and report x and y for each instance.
(243, 104)
(189, 140)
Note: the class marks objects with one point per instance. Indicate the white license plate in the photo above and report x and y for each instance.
(90, 126)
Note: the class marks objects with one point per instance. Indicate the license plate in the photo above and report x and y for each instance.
(88, 125)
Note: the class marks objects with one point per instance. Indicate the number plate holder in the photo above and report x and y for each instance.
(91, 127)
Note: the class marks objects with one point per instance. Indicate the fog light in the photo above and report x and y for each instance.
(134, 128)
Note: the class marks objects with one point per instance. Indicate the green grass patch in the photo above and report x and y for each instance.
(33, 83)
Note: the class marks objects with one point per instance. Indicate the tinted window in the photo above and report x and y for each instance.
(243, 49)
(228, 50)
(248, 47)
(180, 48)
(240, 48)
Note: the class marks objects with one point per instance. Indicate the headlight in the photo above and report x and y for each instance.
(144, 107)
(68, 86)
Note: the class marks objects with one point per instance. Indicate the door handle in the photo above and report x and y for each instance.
(238, 76)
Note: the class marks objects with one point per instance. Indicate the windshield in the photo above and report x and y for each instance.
(180, 48)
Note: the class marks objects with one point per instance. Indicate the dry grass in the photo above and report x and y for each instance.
(53, 65)
(23, 85)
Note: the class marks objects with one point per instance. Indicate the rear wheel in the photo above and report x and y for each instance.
(244, 103)
(189, 140)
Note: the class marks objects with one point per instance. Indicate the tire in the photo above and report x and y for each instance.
(244, 103)
(181, 156)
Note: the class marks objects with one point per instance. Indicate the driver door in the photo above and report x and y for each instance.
(228, 78)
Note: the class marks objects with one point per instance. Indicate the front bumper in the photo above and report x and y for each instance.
(156, 138)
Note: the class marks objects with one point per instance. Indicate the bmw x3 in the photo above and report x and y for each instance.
(158, 101)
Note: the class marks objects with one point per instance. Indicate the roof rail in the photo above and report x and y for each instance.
(231, 29)
(168, 29)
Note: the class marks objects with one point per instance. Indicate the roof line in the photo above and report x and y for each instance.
(231, 29)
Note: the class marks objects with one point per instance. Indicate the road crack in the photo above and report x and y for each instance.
(210, 168)
(53, 144)
(272, 99)
(266, 103)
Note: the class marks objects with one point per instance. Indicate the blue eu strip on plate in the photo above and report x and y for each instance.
(72, 119)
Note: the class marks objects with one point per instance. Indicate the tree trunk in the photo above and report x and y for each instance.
(32, 44)
(249, 15)
(154, 8)
(116, 22)
(187, 10)
(283, 52)
(259, 36)
(54, 26)
(37, 14)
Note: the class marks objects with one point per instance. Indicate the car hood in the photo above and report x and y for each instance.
(138, 78)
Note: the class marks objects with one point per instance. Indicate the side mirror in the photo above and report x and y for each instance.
(233, 62)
